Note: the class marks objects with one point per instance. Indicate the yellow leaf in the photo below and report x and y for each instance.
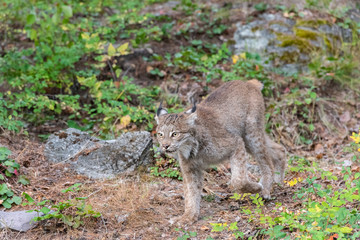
(346, 230)
(98, 95)
(243, 55)
(122, 49)
(235, 58)
(111, 50)
(204, 58)
(125, 121)
(85, 36)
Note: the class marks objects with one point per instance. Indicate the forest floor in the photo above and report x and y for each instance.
(138, 205)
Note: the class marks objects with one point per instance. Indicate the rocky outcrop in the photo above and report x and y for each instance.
(286, 43)
(97, 158)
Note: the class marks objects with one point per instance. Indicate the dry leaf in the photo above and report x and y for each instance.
(125, 121)
(345, 117)
(204, 228)
(149, 68)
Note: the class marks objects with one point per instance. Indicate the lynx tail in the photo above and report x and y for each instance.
(257, 84)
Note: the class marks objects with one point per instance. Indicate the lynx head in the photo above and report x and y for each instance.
(175, 132)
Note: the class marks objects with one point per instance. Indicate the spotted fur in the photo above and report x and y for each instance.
(226, 125)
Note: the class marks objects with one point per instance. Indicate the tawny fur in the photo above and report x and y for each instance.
(223, 127)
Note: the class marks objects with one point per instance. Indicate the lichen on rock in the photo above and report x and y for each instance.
(287, 43)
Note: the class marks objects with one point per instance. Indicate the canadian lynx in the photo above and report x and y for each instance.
(225, 125)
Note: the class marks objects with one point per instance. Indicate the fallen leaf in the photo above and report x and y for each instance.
(125, 121)
(149, 68)
(287, 90)
(319, 149)
(204, 228)
(333, 237)
(345, 117)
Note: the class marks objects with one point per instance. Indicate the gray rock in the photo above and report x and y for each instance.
(19, 220)
(97, 158)
(286, 44)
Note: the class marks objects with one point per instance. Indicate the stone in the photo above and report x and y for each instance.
(97, 158)
(19, 220)
(287, 44)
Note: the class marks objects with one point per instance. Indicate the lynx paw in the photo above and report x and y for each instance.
(183, 220)
(265, 194)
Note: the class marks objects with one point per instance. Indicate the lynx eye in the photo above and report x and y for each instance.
(160, 135)
(174, 134)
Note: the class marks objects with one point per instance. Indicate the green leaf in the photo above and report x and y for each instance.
(6, 204)
(345, 230)
(111, 50)
(313, 95)
(4, 152)
(55, 18)
(3, 189)
(2, 177)
(10, 193)
(17, 200)
(67, 10)
(308, 100)
(45, 210)
(27, 197)
(23, 180)
(30, 19)
(33, 34)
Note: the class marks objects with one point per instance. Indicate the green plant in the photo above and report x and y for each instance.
(355, 145)
(185, 234)
(328, 205)
(9, 171)
(165, 167)
(71, 212)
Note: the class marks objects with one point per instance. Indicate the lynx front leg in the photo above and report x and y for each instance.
(277, 154)
(239, 174)
(255, 142)
(192, 177)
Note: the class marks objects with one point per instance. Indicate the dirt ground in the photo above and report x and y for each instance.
(138, 205)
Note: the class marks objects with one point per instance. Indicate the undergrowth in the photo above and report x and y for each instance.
(327, 204)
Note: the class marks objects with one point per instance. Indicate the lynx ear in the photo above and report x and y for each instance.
(192, 115)
(159, 112)
(192, 110)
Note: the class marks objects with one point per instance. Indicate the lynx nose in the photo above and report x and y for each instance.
(166, 146)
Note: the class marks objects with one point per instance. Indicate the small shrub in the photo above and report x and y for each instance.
(71, 212)
(9, 171)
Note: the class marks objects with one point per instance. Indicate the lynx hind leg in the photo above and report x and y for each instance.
(277, 154)
(239, 174)
(255, 142)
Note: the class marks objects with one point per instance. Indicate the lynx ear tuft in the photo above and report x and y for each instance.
(192, 110)
(159, 112)
(192, 115)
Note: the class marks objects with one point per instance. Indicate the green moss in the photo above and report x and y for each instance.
(278, 22)
(314, 23)
(289, 57)
(306, 34)
(289, 40)
(254, 29)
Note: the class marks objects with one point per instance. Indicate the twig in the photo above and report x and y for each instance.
(112, 71)
(94, 193)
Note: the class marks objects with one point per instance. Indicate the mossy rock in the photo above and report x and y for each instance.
(284, 42)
